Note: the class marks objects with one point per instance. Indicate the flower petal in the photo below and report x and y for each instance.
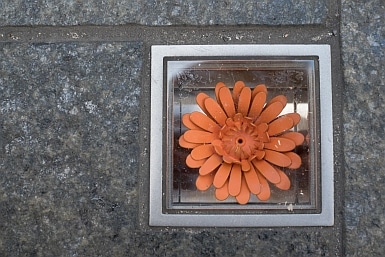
(244, 101)
(252, 181)
(263, 127)
(277, 158)
(227, 101)
(235, 180)
(222, 175)
(200, 137)
(259, 88)
(200, 99)
(244, 195)
(265, 188)
(204, 122)
(296, 137)
(202, 152)
(284, 184)
(259, 154)
(204, 182)
(218, 147)
(218, 87)
(183, 143)
(238, 86)
(257, 105)
(295, 117)
(262, 132)
(210, 165)
(188, 123)
(279, 125)
(296, 160)
(230, 159)
(280, 144)
(245, 164)
(223, 192)
(279, 98)
(191, 163)
(215, 111)
(267, 171)
(269, 113)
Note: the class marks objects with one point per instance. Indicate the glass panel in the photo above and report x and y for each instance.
(295, 78)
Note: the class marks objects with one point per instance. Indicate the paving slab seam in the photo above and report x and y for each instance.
(168, 34)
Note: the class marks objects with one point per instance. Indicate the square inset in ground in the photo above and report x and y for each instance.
(302, 75)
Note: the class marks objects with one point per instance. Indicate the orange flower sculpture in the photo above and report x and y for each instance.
(240, 143)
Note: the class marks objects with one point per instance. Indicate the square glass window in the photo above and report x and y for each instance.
(236, 137)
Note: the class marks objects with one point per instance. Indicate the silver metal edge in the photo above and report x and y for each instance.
(325, 218)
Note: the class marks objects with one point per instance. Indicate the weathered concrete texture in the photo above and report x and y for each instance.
(363, 38)
(157, 12)
(69, 151)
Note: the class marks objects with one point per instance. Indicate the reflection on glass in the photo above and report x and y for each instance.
(292, 78)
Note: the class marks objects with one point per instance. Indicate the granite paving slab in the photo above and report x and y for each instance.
(157, 12)
(69, 150)
(363, 44)
(69, 126)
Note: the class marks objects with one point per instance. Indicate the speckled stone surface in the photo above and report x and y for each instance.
(71, 179)
(363, 38)
(156, 12)
(69, 126)
(69, 150)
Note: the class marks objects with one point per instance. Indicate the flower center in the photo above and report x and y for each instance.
(240, 141)
(241, 138)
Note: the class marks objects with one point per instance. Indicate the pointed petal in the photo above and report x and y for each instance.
(202, 152)
(262, 132)
(244, 195)
(222, 175)
(223, 192)
(277, 158)
(280, 144)
(257, 105)
(204, 122)
(204, 182)
(265, 188)
(218, 87)
(200, 137)
(237, 90)
(296, 160)
(270, 112)
(190, 162)
(245, 165)
(279, 98)
(252, 181)
(244, 101)
(235, 180)
(188, 123)
(183, 143)
(296, 137)
(238, 118)
(218, 147)
(227, 102)
(200, 99)
(295, 117)
(230, 159)
(279, 125)
(215, 111)
(210, 165)
(267, 170)
(259, 154)
(284, 184)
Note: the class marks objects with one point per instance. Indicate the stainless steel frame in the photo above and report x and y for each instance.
(156, 215)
